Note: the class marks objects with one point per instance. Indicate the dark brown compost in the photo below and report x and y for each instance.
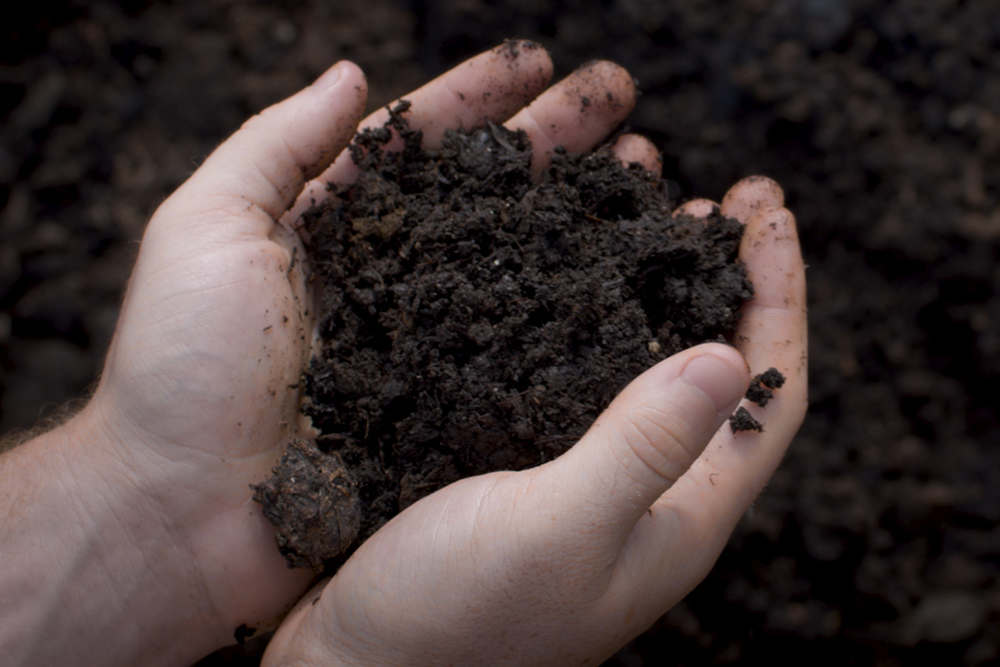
(475, 319)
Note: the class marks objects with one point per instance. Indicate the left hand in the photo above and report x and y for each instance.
(202, 379)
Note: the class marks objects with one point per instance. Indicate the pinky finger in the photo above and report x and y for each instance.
(696, 208)
(698, 513)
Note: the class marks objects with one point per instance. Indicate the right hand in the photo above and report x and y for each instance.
(564, 563)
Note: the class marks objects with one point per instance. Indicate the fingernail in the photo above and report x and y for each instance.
(717, 379)
(328, 78)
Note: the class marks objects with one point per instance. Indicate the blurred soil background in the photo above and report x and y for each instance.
(876, 542)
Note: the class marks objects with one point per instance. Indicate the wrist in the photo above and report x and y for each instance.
(88, 557)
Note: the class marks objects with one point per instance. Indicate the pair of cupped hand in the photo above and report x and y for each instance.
(560, 564)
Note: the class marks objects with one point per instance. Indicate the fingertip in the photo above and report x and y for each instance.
(604, 89)
(769, 230)
(493, 86)
(341, 69)
(635, 148)
(328, 78)
(528, 57)
(348, 73)
(344, 86)
(751, 195)
(696, 208)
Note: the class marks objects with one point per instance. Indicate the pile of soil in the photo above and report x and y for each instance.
(877, 541)
(475, 319)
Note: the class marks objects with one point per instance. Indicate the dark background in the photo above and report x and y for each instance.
(875, 543)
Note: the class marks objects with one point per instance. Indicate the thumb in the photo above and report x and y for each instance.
(258, 172)
(647, 438)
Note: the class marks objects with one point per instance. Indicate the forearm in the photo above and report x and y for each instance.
(83, 575)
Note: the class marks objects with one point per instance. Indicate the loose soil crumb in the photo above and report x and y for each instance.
(761, 387)
(742, 420)
(475, 320)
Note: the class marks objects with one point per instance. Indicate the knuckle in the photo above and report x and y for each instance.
(655, 440)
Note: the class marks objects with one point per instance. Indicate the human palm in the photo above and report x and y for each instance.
(203, 372)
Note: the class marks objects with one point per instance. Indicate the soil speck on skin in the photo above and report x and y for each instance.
(475, 320)
(511, 48)
(243, 633)
(742, 420)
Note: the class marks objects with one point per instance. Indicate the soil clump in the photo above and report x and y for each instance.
(312, 498)
(475, 319)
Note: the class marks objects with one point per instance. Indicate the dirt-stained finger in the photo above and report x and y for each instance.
(696, 208)
(772, 333)
(578, 112)
(491, 86)
(750, 195)
(630, 148)
(700, 511)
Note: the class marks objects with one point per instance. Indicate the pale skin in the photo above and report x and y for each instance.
(128, 535)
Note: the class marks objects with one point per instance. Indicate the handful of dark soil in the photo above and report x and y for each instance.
(474, 319)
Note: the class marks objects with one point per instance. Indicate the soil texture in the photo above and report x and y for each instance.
(877, 540)
(476, 320)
